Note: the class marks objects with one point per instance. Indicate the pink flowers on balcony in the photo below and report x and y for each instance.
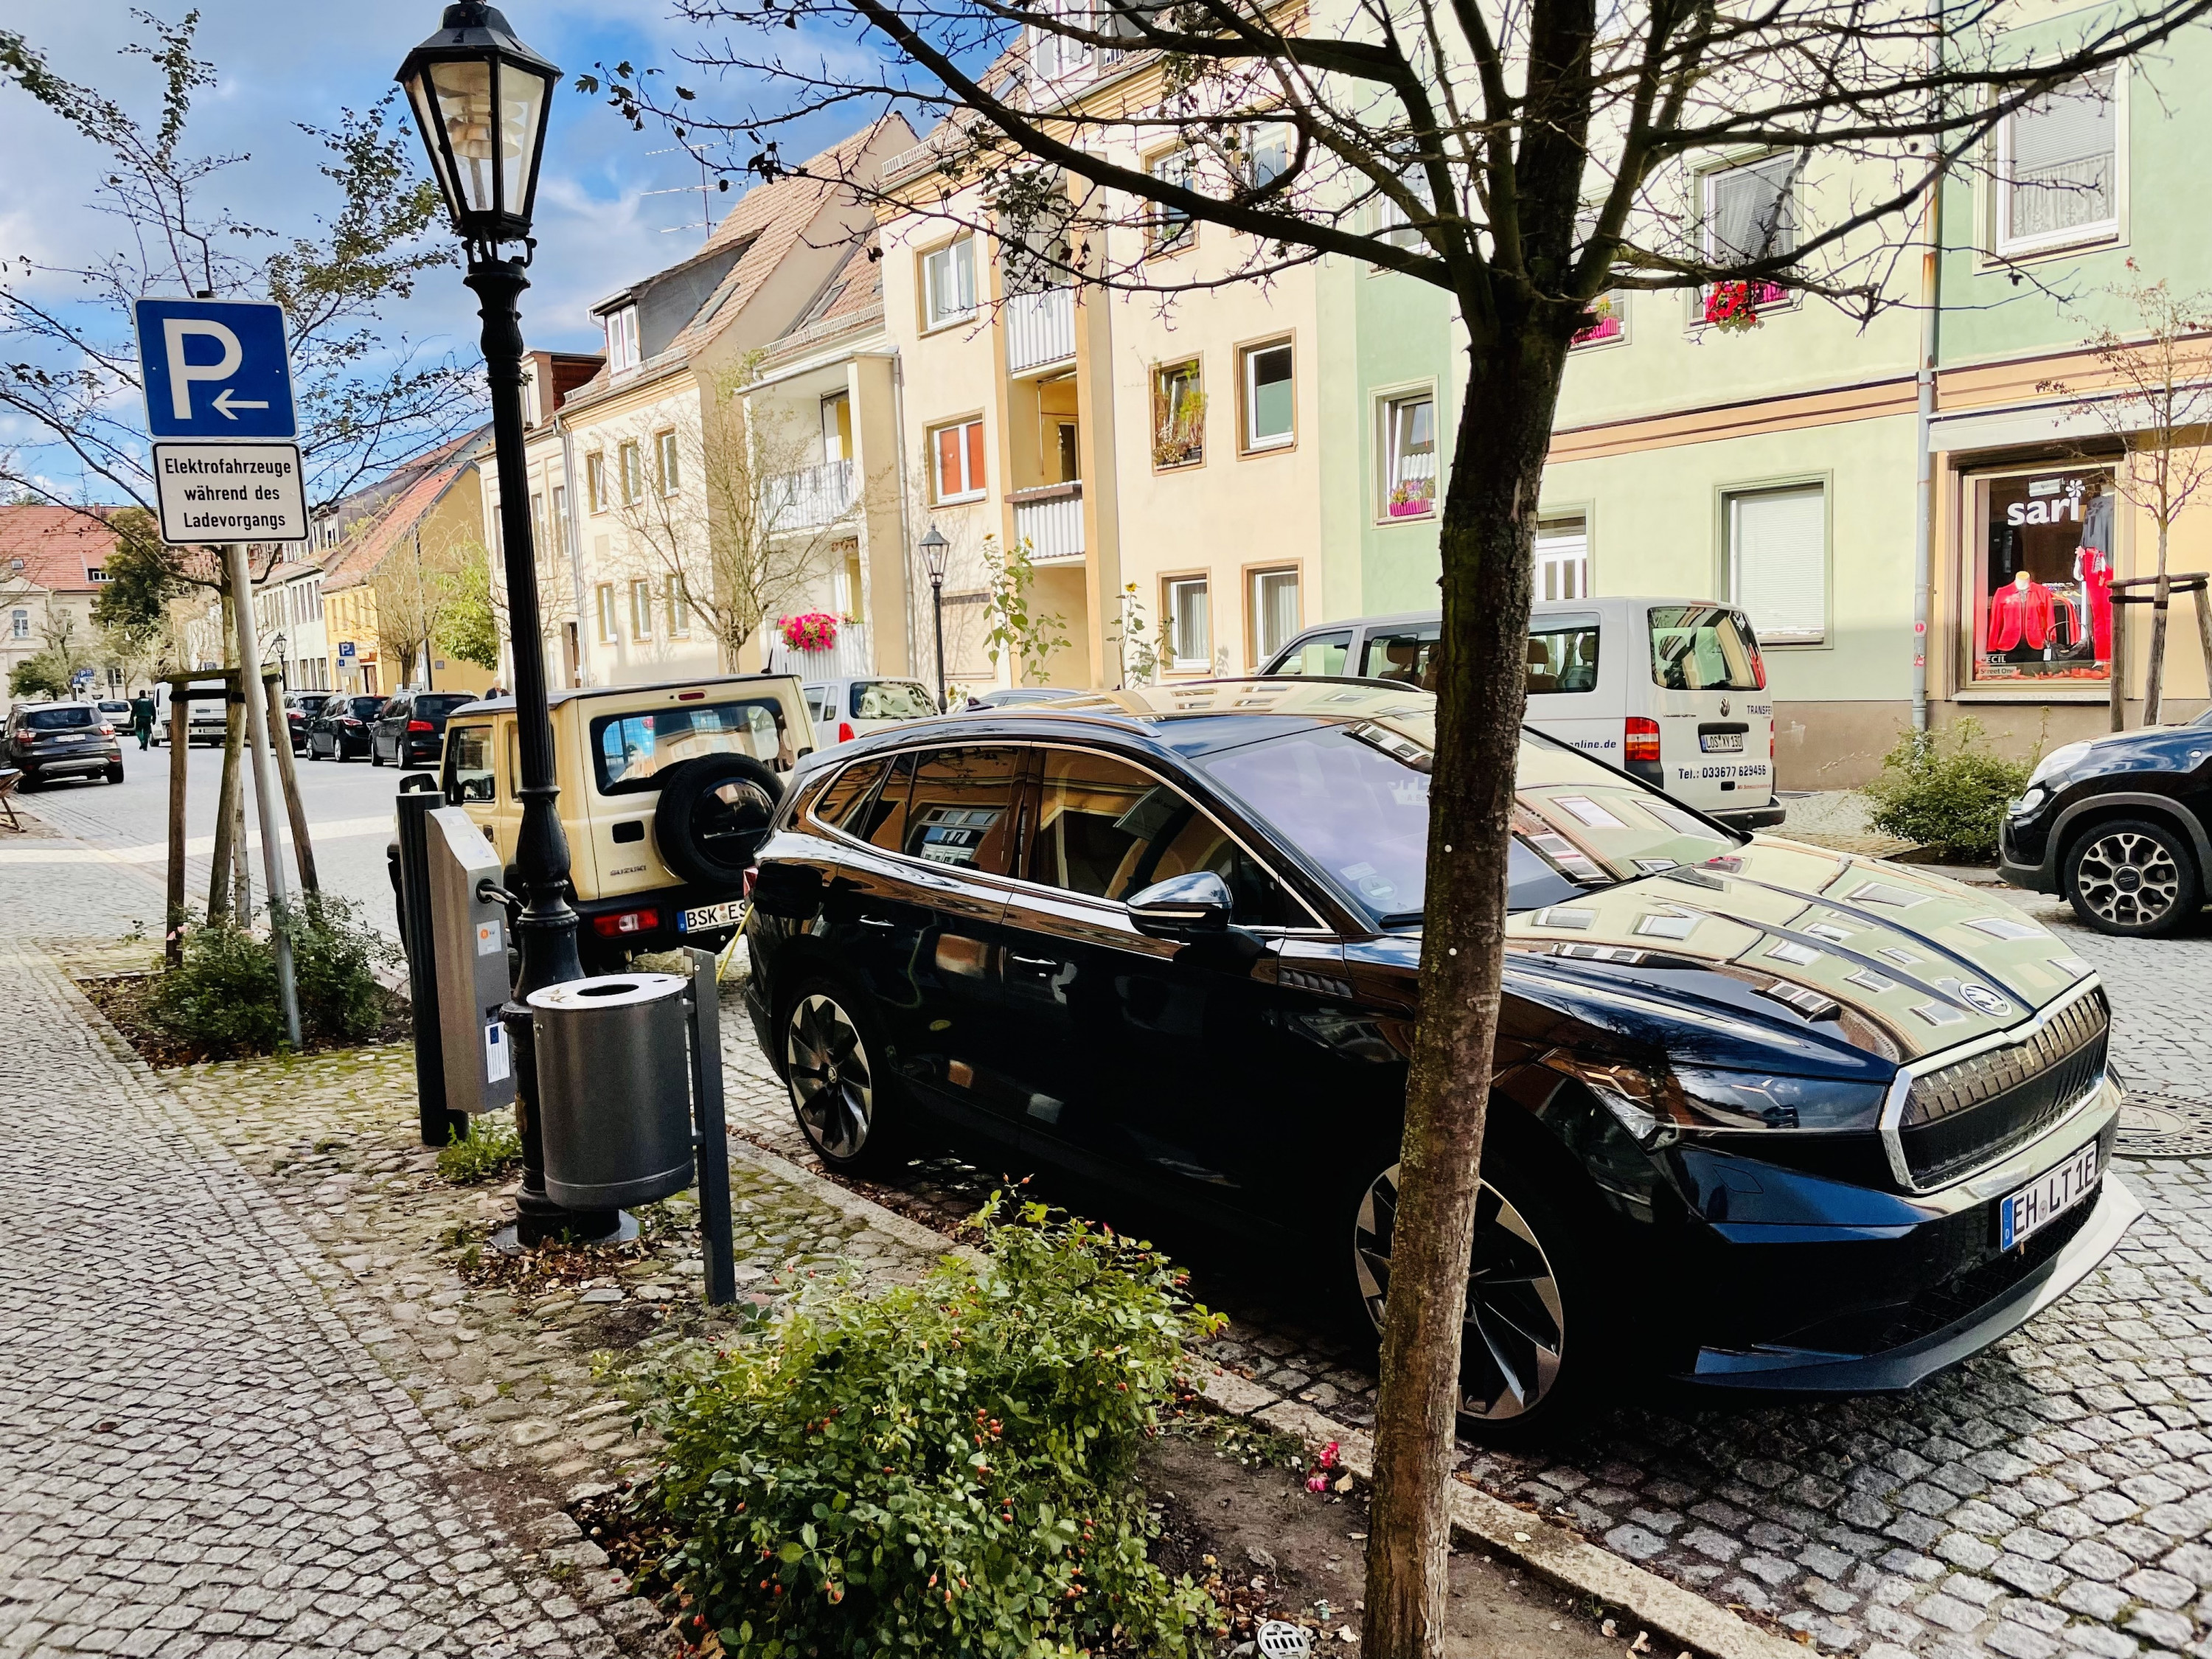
(816, 630)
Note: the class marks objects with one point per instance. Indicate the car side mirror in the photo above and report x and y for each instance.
(1189, 907)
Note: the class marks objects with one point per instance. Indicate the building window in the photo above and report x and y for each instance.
(1409, 456)
(958, 449)
(671, 477)
(631, 460)
(1270, 409)
(1751, 211)
(1391, 224)
(605, 594)
(560, 518)
(19, 624)
(1777, 561)
(621, 339)
(1563, 558)
(640, 609)
(1189, 623)
(537, 522)
(1608, 320)
(595, 482)
(948, 283)
(679, 610)
(1170, 229)
(1268, 150)
(1273, 604)
(2057, 169)
(1178, 414)
(2041, 586)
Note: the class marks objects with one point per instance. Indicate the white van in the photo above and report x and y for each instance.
(1671, 691)
(848, 709)
(209, 719)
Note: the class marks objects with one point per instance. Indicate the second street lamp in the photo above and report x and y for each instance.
(482, 99)
(934, 551)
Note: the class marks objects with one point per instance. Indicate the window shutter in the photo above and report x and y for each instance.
(1778, 563)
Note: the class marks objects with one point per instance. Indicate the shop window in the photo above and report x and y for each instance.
(2042, 585)
(1170, 229)
(1409, 456)
(1777, 561)
(1273, 606)
(948, 283)
(1189, 620)
(2057, 169)
(1270, 407)
(958, 452)
(1178, 414)
(1563, 558)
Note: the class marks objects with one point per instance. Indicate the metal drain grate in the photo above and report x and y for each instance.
(2165, 1126)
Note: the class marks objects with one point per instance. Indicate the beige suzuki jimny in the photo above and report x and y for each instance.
(666, 792)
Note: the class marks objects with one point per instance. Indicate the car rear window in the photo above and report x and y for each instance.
(890, 699)
(366, 708)
(629, 751)
(437, 706)
(60, 720)
(1704, 647)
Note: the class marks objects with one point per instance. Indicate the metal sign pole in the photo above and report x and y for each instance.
(265, 797)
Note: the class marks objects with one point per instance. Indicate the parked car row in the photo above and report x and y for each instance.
(49, 741)
(1765, 1116)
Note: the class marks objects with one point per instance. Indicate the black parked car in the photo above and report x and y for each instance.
(340, 726)
(301, 708)
(1766, 1116)
(49, 740)
(410, 729)
(2119, 826)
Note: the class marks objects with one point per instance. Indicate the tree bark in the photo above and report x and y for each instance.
(227, 809)
(2155, 670)
(1487, 541)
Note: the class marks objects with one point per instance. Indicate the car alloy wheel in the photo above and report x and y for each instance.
(833, 1084)
(1514, 1329)
(2128, 878)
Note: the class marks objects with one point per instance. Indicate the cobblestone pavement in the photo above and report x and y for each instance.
(336, 1423)
(2052, 1496)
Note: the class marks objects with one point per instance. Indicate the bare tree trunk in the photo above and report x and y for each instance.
(225, 812)
(2205, 631)
(1487, 542)
(280, 739)
(2155, 670)
(2119, 659)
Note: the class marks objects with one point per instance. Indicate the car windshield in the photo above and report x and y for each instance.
(1704, 647)
(59, 720)
(890, 699)
(1354, 800)
(630, 751)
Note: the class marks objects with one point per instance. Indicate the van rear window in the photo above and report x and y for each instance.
(630, 751)
(1704, 647)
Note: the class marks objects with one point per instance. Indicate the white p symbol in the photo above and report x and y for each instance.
(175, 330)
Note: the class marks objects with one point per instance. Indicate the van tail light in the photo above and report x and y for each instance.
(624, 922)
(844, 730)
(1642, 741)
(752, 874)
(420, 726)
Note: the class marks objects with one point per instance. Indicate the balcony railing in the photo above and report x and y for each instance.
(1040, 329)
(1052, 525)
(811, 497)
(848, 657)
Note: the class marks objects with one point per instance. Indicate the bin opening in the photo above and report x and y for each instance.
(608, 988)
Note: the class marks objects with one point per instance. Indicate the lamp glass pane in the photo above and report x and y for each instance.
(433, 129)
(522, 112)
(464, 106)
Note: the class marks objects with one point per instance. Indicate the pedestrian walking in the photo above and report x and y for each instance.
(142, 717)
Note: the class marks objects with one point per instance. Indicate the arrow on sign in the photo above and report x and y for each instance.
(227, 404)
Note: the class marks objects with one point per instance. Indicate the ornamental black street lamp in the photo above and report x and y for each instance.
(934, 551)
(481, 98)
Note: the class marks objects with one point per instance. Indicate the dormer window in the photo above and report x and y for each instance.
(621, 339)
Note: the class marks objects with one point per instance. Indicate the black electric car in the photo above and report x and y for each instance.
(1787, 1118)
(2118, 826)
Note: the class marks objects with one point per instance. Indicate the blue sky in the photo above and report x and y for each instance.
(283, 63)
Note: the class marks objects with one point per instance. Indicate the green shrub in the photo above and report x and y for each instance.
(485, 1151)
(222, 996)
(1946, 791)
(944, 1469)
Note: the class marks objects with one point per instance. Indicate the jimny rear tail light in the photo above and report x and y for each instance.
(625, 922)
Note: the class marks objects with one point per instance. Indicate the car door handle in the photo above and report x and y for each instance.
(877, 922)
(1033, 961)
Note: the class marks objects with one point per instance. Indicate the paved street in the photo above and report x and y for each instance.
(348, 820)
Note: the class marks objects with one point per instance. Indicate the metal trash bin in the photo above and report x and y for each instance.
(614, 1089)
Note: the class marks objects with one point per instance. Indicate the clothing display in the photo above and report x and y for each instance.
(2020, 615)
(2093, 565)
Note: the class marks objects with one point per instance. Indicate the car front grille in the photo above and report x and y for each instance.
(1975, 1110)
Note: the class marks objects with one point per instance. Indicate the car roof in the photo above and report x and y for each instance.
(1189, 717)
(1537, 608)
(559, 694)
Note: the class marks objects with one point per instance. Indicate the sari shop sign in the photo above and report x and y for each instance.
(2040, 579)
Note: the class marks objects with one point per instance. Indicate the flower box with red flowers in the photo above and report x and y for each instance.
(816, 630)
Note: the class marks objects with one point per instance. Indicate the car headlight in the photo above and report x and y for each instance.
(2057, 760)
(2035, 796)
(1690, 1099)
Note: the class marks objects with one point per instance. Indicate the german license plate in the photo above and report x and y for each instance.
(1720, 743)
(2047, 1197)
(705, 917)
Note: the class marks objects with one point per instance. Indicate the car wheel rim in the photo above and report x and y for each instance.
(832, 1083)
(2128, 878)
(1515, 1326)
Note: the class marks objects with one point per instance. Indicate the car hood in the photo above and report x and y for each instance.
(1788, 956)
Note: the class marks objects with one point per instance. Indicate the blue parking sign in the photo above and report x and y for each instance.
(215, 370)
